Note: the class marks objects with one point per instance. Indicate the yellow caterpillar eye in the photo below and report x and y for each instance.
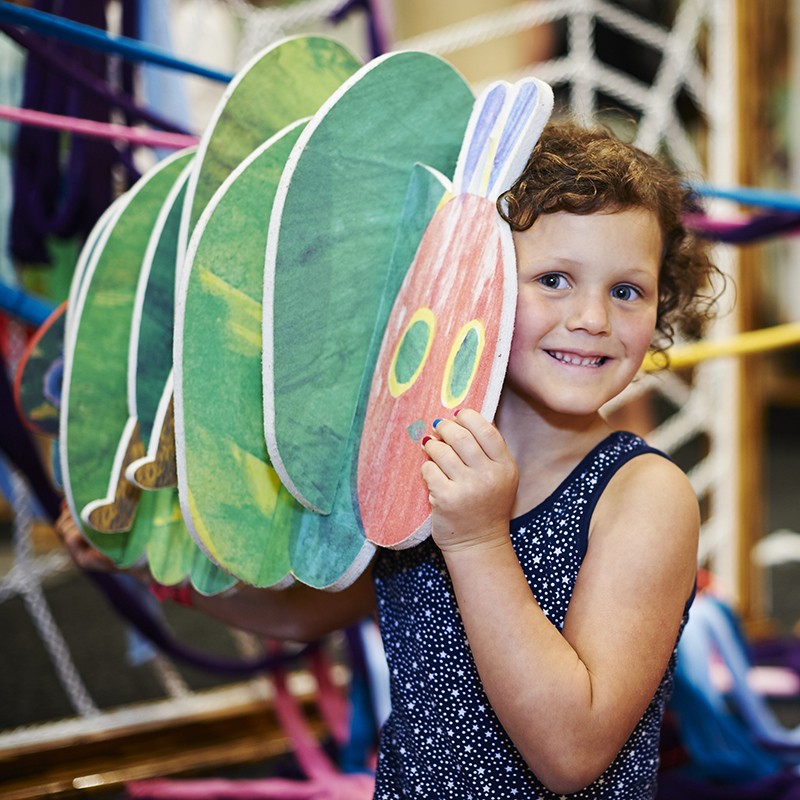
(412, 351)
(462, 363)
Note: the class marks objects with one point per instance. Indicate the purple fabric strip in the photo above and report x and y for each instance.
(52, 197)
(784, 785)
(776, 652)
(759, 227)
(375, 27)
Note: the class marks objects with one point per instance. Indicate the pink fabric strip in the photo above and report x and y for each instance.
(312, 758)
(100, 130)
(331, 701)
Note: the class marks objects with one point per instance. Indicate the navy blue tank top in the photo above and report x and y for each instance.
(442, 739)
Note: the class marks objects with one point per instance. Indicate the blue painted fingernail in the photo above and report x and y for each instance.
(436, 422)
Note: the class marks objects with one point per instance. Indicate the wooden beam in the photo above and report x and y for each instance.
(762, 41)
(195, 744)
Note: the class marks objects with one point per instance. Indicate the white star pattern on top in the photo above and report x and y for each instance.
(442, 740)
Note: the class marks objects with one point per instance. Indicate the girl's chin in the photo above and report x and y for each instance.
(561, 405)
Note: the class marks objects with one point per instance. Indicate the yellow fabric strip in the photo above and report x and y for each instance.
(688, 355)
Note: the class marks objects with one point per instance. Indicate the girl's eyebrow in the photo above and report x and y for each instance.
(644, 273)
(548, 259)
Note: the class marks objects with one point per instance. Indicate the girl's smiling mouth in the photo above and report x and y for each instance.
(577, 360)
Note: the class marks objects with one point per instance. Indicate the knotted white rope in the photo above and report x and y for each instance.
(32, 595)
(675, 65)
(490, 26)
(262, 26)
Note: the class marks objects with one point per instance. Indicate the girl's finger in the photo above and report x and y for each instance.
(486, 436)
(434, 478)
(444, 456)
(462, 440)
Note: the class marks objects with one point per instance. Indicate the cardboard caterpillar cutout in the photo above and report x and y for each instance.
(244, 520)
(328, 282)
(222, 275)
(448, 337)
(240, 121)
(37, 380)
(94, 410)
(301, 233)
(250, 524)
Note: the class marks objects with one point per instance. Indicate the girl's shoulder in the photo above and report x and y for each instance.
(641, 471)
(624, 462)
(650, 507)
(649, 478)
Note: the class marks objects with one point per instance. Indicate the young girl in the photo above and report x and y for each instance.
(531, 640)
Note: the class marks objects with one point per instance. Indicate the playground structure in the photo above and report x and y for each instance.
(710, 414)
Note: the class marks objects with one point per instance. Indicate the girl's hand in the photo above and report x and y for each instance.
(80, 550)
(472, 482)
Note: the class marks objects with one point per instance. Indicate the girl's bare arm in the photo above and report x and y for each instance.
(298, 613)
(569, 702)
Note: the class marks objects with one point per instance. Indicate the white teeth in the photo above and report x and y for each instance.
(579, 361)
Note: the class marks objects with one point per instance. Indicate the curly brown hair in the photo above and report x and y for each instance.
(588, 170)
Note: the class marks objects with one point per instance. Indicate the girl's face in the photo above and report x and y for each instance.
(586, 308)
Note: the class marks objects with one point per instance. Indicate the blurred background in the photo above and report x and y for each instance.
(95, 693)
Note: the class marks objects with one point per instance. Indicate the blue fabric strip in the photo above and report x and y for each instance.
(95, 39)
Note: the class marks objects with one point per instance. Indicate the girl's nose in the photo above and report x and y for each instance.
(589, 313)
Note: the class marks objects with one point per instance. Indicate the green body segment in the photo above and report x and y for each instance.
(341, 208)
(329, 551)
(288, 81)
(237, 508)
(172, 554)
(155, 316)
(37, 376)
(97, 364)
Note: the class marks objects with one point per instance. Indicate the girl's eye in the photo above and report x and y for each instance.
(625, 292)
(554, 280)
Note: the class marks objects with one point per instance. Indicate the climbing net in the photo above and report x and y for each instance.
(684, 103)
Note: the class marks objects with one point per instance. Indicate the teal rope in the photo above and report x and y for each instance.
(749, 196)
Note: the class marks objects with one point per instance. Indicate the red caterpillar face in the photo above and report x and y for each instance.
(437, 354)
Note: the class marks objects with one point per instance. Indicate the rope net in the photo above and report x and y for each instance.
(670, 90)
